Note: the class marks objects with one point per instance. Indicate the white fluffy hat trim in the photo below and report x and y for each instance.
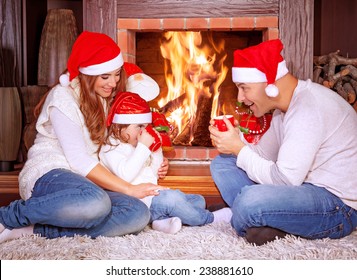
(254, 75)
(108, 66)
(132, 118)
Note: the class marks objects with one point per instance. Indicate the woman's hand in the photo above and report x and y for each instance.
(163, 169)
(227, 142)
(145, 189)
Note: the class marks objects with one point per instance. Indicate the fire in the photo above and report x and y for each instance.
(192, 71)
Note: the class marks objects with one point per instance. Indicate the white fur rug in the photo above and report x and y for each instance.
(210, 242)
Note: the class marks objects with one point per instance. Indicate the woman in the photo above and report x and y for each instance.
(65, 191)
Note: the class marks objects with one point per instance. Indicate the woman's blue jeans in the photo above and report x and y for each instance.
(64, 203)
(190, 208)
(308, 211)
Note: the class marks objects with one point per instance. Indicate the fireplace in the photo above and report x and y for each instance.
(141, 40)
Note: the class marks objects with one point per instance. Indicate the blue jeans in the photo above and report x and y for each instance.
(190, 208)
(64, 203)
(308, 211)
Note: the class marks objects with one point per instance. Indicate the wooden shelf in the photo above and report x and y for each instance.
(9, 181)
(190, 178)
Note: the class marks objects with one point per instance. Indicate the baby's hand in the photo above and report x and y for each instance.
(145, 138)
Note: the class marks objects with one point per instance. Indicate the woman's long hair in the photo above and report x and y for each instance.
(91, 106)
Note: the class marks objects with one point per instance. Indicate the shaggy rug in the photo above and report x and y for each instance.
(209, 242)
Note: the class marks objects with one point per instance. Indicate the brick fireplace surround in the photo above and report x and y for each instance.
(126, 37)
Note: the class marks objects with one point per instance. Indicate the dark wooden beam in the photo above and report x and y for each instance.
(296, 30)
(100, 16)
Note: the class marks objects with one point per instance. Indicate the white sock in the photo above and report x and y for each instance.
(8, 234)
(1, 228)
(170, 225)
(222, 215)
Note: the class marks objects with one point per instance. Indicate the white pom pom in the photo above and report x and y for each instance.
(64, 80)
(272, 90)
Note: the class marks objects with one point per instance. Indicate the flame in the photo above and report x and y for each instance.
(191, 70)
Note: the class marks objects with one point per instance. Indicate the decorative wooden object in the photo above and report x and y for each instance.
(339, 74)
(58, 35)
(10, 128)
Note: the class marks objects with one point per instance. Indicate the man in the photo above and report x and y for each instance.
(300, 177)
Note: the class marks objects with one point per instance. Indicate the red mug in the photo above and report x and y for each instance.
(157, 141)
(220, 124)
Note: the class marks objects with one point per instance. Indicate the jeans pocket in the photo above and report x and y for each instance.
(335, 232)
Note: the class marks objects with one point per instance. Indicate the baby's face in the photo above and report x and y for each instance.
(132, 132)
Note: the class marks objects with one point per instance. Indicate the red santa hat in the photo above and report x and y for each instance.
(92, 54)
(260, 63)
(140, 83)
(129, 108)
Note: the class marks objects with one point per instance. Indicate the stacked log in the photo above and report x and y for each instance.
(339, 74)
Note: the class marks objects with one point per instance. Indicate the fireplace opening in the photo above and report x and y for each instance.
(193, 70)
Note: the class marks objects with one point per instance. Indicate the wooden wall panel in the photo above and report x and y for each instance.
(100, 16)
(10, 44)
(338, 27)
(297, 33)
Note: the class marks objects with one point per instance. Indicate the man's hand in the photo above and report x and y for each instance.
(227, 142)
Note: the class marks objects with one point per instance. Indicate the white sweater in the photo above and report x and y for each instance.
(315, 141)
(56, 146)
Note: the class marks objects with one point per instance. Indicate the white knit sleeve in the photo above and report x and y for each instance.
(71, 140)
(124, 160)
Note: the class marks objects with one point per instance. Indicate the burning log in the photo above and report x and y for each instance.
(184, 137)
(201, 135)
(337, 73)
(173, 104)
(197, 127)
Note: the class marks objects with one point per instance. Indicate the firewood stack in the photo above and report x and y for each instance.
(339, 74)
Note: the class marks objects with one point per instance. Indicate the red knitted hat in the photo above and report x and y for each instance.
(140, 83)
(129, 108)
(92, 54)
(260, 63)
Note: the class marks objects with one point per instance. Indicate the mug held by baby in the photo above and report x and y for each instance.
(157, 141)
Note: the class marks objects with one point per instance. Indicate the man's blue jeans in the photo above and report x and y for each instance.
(64, 203)
(308, 211)
(190, 208)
